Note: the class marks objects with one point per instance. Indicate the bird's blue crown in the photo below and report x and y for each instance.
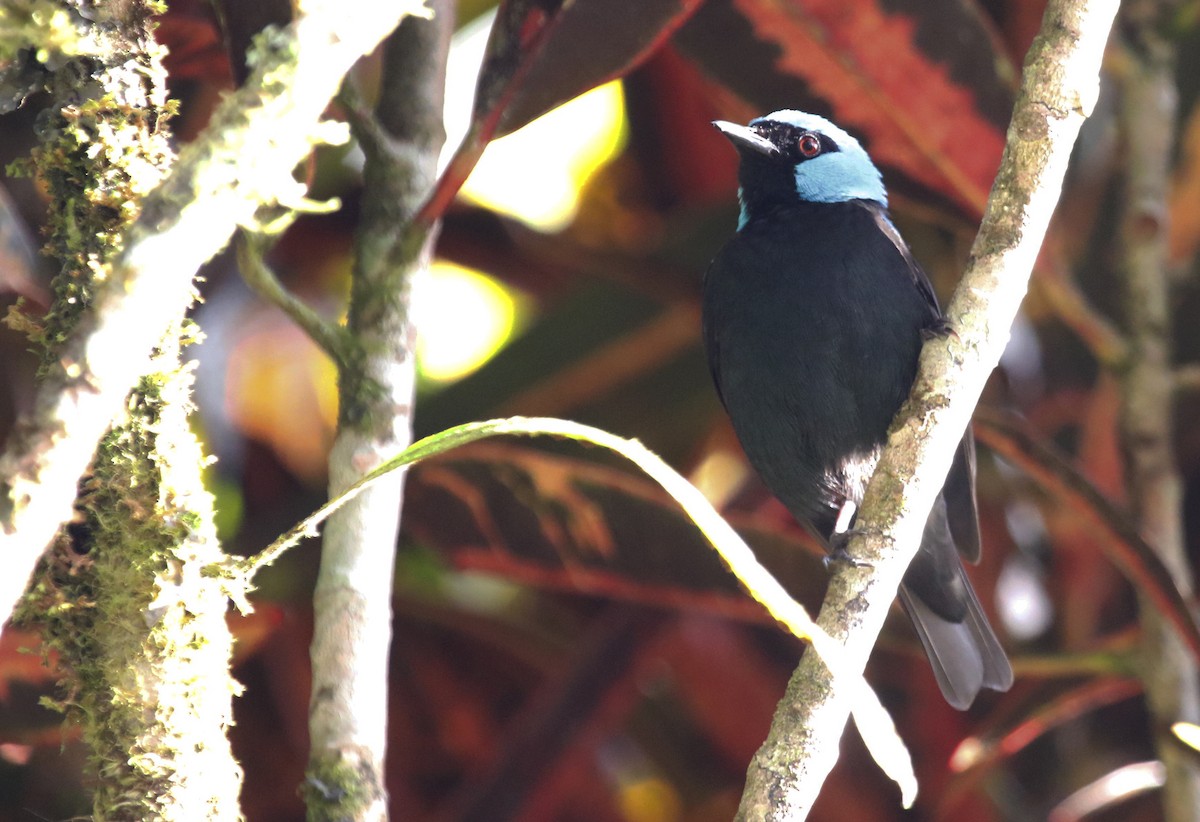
(832, 176)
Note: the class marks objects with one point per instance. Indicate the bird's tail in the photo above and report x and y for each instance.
(966, 656)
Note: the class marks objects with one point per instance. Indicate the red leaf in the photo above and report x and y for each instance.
(195, 50)
(593, 42)
(925, 86)
(21, 660)
(1120, 541)
(976, 757)
(568, 524)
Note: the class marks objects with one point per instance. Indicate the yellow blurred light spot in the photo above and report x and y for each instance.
(1188, 734)
(536, 173)
(281, 390)
(462, 318)
(650, 800)
(719, 476)
(968, 752)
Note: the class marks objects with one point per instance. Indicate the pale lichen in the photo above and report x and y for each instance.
(139, 628)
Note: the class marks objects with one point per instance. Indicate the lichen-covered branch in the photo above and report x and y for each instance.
(401, 140)
(139, 630)
(243, 161)
(1148, 115)
(1059, 88)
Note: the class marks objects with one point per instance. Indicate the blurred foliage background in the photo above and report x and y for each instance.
(567, 647)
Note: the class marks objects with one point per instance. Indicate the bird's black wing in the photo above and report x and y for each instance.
(709, 324)
(962, 511)
(711, 341)
(920, 280)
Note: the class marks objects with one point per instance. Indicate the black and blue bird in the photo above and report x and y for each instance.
(814, 316)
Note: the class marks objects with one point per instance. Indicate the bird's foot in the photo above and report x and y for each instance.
(937, 329)
(838, 556)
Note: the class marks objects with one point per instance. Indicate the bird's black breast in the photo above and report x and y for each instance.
(813, 317)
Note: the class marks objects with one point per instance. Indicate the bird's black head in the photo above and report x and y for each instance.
(790, 155)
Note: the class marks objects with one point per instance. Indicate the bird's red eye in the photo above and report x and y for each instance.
(809, 144)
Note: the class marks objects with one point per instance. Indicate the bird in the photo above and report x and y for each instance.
(814, 314)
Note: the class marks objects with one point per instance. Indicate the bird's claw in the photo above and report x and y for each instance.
(839, 557)
(937, 329)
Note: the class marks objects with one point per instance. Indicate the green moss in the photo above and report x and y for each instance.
(358, 394)
(132, 615)
(52, 31)
(336, 790)
(97, 159)
(139, 628)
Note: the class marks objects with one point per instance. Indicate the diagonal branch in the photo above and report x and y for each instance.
(244, 160)
(1058, 91)
(1056, 285)
(333, 339)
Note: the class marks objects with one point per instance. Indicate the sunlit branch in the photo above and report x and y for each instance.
(1059, 88)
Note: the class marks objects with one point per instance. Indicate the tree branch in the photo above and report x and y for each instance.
(1059, 88)
(152, 698)
(1187, 378)
(1148, 114)
(352, 634)
(332, 338)
(244, 160)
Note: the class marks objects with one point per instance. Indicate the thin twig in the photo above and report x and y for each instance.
(874, 723)
(368, 131)
(1059, 88)
(978, 756)
(1187, 378)
(262, 280)
(1054, 282)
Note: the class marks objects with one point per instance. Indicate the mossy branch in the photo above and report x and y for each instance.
(152, 697)
(1059, 88)
(243, 160)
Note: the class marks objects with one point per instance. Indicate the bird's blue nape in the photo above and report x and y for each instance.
(743, 212)
(836, 176)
